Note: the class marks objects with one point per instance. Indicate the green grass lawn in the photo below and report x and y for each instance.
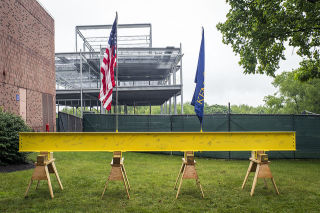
(152, 178)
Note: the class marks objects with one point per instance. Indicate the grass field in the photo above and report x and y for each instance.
(152, 178)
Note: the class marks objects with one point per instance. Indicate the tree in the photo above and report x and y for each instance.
(258, 30)
(213, 109)
(246, 109)
(294, 96)
(274, 104)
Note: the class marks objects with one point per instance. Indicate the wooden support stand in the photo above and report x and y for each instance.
(44, 166)
(260, 165)
(118, 172)
(188, 171)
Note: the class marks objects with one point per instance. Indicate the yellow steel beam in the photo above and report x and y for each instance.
(157, 141)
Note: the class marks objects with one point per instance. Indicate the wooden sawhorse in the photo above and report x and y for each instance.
(259, 164)
(118, 172)
(44, 166)
(188, 171)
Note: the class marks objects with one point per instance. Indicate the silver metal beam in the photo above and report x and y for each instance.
(175, 96)
(109, 26)
(150, 36)
(76, 38)
(90, 65)
(169, 81)
(127, 49)
(181, 81)
(81, 85)
(84, 40)
(123, 88)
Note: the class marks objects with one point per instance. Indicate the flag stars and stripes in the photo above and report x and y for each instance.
(107, 69)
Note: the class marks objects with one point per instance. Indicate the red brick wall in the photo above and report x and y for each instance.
(26, 58)
(35, 110)
(8, 98)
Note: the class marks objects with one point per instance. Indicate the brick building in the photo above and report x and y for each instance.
(27, 62)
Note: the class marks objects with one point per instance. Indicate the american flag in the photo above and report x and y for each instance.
(107, 69)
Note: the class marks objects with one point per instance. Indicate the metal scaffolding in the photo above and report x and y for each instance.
(147, 76)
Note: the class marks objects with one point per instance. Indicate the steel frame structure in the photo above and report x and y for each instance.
(142, 68)
(95, 41)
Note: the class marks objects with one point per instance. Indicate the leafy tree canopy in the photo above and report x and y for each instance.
(258, 30)
(294, 96)
(246, 109)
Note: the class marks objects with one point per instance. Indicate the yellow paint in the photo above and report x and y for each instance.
(157, 141)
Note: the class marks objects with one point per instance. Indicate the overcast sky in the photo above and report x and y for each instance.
(174, 22)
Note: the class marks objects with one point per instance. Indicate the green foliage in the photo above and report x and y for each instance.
(309, 69)
(213, 109)
(246, 109)
(294, 96)
(69, 110)
(10, 126)
(258, 30)
(188, 109)
(274, 104)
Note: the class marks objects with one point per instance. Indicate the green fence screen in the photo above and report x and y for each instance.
(307, 129)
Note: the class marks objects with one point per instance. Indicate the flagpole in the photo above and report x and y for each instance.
(117, 68)
(203, 100)
(198, 96)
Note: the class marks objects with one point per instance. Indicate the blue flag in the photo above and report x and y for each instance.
(198, 96)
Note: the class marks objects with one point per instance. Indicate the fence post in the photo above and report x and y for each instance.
(293, 129)
(74, 125)
(58, 129)
(68, 122)
(229, 128)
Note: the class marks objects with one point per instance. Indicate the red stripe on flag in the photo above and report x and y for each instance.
(109, 107)
(113, 62)
(103, 84)
(107, 68)
(106, 98)
(107, 72)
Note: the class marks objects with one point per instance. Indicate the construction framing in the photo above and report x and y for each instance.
(148, 76)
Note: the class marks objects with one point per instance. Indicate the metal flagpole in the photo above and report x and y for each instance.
(203, 81)
(117, 68)
(81, 90)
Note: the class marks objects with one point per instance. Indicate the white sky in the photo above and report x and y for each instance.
(174, 21)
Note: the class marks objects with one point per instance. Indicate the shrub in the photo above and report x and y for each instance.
(10, 126)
